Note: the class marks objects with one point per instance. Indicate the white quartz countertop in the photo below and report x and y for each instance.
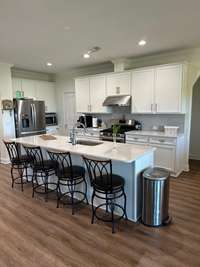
(153, 133)
(106, 150)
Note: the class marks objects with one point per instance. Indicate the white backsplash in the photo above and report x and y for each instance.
(147, 120)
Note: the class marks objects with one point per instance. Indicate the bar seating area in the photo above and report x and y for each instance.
(70, 185)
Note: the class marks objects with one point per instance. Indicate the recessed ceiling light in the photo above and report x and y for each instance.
(91, 51)
(86, 55)
(142, 42)
(49, 64)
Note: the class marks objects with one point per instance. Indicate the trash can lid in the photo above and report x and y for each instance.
(156, 174)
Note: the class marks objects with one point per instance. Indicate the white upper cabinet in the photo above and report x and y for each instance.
(168, 89)
(119, 83)
(97, 94)
(39, 90)
(16, 85)
(158, 89)
(29, 88)
(46, 91)
(143, 91)
(82, 90)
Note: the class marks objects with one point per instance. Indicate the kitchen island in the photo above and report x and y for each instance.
(128, 160)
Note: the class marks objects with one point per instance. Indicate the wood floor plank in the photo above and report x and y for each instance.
(34, 233)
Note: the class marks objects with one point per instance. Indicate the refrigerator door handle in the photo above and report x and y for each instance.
(32, 114)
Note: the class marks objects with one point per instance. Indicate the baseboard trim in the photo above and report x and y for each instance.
(195, 157)
(5, 161)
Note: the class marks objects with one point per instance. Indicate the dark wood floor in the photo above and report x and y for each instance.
(35, 233)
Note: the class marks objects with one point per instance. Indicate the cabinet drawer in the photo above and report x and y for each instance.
(162, 141)
(137, 138)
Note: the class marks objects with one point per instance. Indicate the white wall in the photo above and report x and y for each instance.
(195, 123)
(6, 119)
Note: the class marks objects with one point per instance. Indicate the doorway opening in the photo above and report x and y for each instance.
(194, 153)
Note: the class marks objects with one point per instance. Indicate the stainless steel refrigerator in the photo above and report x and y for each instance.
(29, 117)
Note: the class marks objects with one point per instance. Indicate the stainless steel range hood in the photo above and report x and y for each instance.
(117, 100)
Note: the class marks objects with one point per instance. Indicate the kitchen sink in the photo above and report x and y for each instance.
(88, 143)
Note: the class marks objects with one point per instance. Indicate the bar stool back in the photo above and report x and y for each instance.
(19, 163)
(108, 187)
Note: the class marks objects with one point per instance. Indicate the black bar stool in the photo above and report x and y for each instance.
(19, 163)
(108, 187)
(42, 170)
(69, 177)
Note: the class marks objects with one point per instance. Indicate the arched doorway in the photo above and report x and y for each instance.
(194, 152)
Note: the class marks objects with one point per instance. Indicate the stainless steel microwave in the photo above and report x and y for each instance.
(51, 119)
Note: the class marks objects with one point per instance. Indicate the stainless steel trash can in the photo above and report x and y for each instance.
(155, 197)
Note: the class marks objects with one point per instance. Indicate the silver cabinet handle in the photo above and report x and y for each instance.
(151, 107)
(156, 107)
(161, 140)
(117, 90)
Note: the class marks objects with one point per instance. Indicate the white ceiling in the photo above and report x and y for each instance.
(33, 32)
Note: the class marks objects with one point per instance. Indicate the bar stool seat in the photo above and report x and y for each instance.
(77, 171)
(23, 159)
(46, 165)
(102, 185)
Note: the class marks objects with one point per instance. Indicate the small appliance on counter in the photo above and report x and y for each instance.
(86, 120)
(51, 119)
(95, 122)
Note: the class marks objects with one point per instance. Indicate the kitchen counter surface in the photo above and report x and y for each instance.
(153, 133)
(124, 152)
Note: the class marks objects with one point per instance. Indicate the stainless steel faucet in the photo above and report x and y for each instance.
(72, 135)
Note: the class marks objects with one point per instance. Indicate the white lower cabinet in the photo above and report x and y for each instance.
(165, 157)
(168, 153)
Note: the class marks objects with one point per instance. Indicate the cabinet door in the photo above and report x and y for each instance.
(16, 85)
(97, 94)
(168, 87)
(165, 157)
(119, 83)
(46, 91)
(29, 88)
(142, 91)
(82, 90)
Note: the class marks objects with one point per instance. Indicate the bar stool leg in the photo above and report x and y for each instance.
(93, 211)
(12, 176)
(33, 178)
(86, 192)
(20, 171)
(125, 214)
(58, 194)
(46, 187)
